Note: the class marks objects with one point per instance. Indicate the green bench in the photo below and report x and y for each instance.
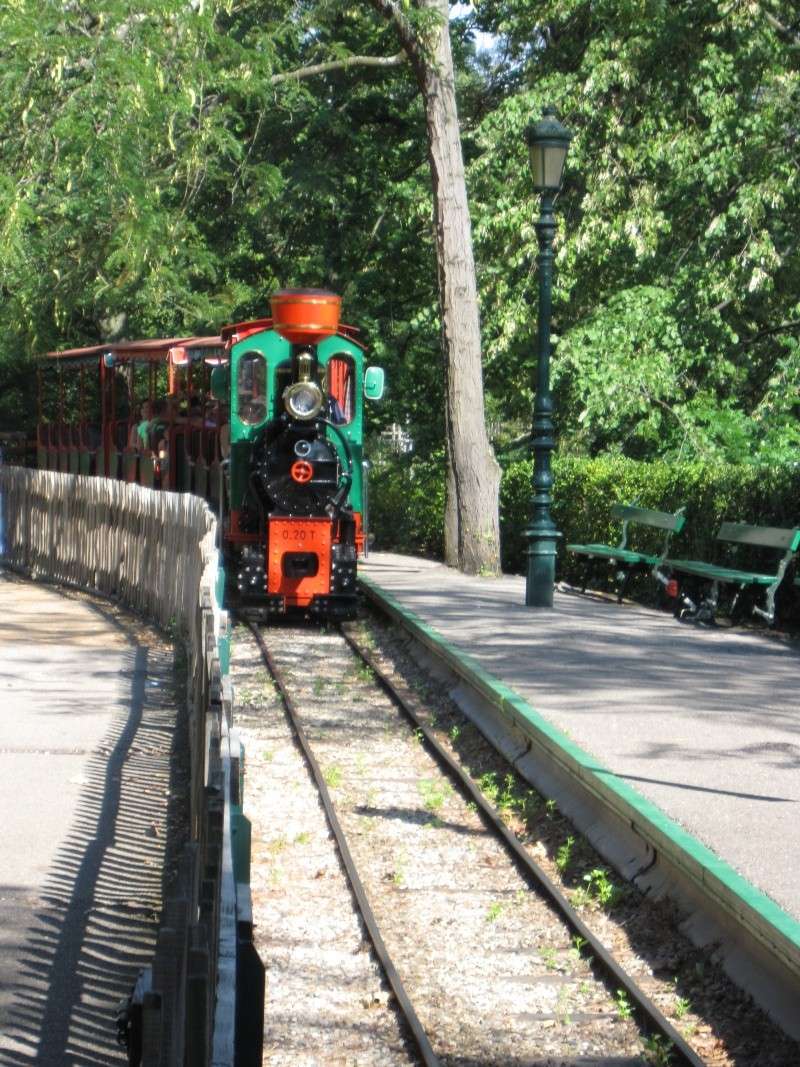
(699, 583)
(624, 560)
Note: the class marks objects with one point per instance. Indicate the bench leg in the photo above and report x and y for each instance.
(683, 601)
(768, 612)
(708, 606)
(689, 604)
(742, 601)
(704, 610)
(588, 572)
(622, 587)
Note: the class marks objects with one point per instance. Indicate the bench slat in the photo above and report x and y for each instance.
(768, 536)
(721, 574)
(624, 555)
(663, 520)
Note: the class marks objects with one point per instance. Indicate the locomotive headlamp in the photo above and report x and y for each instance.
(303, 400)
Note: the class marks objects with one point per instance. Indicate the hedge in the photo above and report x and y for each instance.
(407, 503)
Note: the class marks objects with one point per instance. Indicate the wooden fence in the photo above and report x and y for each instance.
(155, 552)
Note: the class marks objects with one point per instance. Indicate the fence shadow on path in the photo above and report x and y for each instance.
(93, 924)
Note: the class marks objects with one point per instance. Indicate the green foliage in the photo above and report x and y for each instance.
(123, 136)
(623, 1004)
(585, 489)
(153, 180)
(677, 272)
(409, 503)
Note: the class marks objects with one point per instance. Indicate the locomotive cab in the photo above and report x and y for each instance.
(294, 531)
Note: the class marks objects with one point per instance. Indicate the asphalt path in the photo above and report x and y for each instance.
(86, 721)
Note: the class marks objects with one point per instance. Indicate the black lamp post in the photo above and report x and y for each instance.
(548, 142)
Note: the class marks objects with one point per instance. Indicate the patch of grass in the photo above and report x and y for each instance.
(332, 776)
(367, 639)
(562, 1007)
(318, 688)
(601, 888)
(399, 873)
(682, 1007)
(578, 944)
(580, 898)
(564, 854)
(268, 755)
(550, 808)
(302, 838)
(658, 1050)
(364, 673)
(623, 1005)
(488, 786)
(531, 803)
(278, 844)
(434, 793)
(549, 958)
(455, 732)
(509, 794)
(494, 911)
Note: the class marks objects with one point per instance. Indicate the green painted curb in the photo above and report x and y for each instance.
(768, 922)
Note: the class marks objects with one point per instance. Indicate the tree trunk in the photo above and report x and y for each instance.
(472, 534)
(450, 508)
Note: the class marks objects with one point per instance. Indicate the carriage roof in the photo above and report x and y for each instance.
(147, 351)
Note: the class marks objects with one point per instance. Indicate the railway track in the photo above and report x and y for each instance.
(485, 957)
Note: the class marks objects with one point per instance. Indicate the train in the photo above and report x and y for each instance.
(265, 421)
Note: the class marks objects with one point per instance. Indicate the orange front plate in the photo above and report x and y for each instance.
(299, 535)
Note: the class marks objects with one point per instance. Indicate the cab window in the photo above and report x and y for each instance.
(251, 388)
(341, 379)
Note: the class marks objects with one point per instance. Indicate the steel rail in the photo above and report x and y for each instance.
(429, 1057)
(650, 1016)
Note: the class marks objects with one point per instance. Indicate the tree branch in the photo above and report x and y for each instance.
(338, 64)
(391, 11)
(784, 327)
(411, 43)
(785, 30)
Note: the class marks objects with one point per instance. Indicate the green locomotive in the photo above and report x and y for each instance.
(266, 421)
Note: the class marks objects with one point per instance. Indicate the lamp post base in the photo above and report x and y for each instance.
(541, 577)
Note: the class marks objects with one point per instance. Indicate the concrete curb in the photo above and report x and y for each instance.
(731, 904)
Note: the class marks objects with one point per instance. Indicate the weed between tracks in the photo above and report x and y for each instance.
(721, 1022)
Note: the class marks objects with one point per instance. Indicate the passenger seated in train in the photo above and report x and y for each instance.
(336, 414)
(137, 437)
